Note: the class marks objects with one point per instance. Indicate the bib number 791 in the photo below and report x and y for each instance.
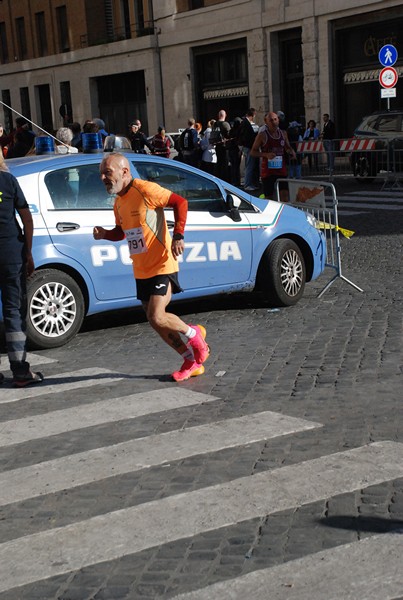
(135, 240)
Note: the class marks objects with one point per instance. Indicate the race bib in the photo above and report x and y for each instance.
(275, 163)
(135, 240)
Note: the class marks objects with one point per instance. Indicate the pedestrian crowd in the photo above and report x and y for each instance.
(221, 149)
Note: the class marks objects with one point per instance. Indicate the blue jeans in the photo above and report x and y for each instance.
(14, 300)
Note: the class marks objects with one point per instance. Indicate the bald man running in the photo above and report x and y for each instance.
(139, 216)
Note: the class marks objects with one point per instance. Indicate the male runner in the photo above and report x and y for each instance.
(139, 215)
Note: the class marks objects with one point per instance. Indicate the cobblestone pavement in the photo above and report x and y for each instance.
(168, 491)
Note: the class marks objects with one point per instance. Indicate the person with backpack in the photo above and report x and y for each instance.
(189, 144)
(247, 134)
(218, 138)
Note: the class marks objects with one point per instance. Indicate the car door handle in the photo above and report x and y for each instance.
(171, 224)
(67, 226)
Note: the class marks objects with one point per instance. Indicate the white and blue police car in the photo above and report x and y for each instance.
(234, 241)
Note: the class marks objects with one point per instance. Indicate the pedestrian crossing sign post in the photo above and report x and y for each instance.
(388, 75)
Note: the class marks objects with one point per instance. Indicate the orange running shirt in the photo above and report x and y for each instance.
(140, 213)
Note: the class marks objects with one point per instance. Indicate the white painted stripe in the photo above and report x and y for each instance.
(38, 359)
(116, 534)
(371, 200)
(83, 378)
(381, 194)
(369, 206)
(97, 413)
(370, 569)
(127, 457)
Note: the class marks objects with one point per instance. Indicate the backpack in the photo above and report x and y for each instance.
(216, 136)
(186, 140)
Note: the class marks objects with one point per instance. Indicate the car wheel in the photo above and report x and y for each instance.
(362, 169)
(282, 273)
(55, 309)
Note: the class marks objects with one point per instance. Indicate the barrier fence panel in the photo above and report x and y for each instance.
(319, 199)
(365, 158)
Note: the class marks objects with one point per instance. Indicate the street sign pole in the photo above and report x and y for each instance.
(388, 76)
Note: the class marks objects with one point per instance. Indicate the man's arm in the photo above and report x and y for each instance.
(113, 235)
(28, 225)
(255, 150)
(180, 208)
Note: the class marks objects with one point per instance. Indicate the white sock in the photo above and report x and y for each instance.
(190, 333)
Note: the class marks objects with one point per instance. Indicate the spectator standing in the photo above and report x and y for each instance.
(328, 135)
(283, 122)
(76, 129)
(271, 145)
(4, 141)
(311, 134)
(247, 134)
(189, 144)
(161, 146)
(22, 140)
(294, 136)
(16, 263)
(234, 152)
(219, 137)
(209, 156)
(101, 127)
(65, 135)
(138, 139)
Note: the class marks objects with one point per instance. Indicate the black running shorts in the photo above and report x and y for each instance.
(157, 286)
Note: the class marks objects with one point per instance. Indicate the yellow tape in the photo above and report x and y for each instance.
(346, 232)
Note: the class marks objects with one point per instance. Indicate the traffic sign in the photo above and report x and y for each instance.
(390, 93)
(387, 55)
(388, 77)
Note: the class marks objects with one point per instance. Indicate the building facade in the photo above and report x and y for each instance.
(162, 62)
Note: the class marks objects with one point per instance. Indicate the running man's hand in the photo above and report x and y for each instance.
(99, 233)
(177, 247)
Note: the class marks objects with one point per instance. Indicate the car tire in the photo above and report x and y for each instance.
(362, 170)
(56, 309)
(282, 273)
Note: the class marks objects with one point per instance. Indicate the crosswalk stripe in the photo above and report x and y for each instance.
(126, 457)
(39, 359)
(83, 378)
(97, 413)
(370, 569)
(113, 535)
(368, 205)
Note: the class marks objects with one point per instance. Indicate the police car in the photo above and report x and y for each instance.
(234, 241)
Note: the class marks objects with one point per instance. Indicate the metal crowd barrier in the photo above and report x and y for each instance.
(365, 158)
(319, 198)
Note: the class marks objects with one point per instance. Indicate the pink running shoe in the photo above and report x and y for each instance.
(190, 368)
(201, 349)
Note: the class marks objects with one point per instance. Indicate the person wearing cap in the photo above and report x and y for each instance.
(101, 127)
(161, 146)
(138, 139)
(283, 122)
(16, 264)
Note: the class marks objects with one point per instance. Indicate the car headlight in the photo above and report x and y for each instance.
(313, 221)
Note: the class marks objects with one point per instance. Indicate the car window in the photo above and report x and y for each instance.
(388, 123)
(77, 188)
(200, 192)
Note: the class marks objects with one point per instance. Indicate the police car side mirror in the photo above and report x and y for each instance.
(233, 203)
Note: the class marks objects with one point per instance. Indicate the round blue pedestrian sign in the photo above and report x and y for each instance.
(387, 55)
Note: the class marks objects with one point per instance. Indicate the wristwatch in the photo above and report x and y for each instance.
(178, 236)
